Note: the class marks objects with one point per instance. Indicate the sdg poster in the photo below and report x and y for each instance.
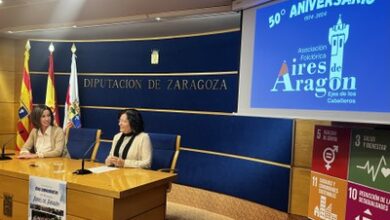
(370, 158)
(331, 151)
(327, 197)
(364, 203)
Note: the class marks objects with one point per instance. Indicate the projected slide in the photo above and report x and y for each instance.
(322, 55)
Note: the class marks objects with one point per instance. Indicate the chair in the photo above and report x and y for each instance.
(103, 151)
(79, 140)
(166, 149)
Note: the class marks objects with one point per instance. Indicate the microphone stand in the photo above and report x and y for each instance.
(3, 154)
(84, 171)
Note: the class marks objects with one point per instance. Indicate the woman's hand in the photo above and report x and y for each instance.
(27, 156)
(119, 162)
(116, 161)
(110, 160)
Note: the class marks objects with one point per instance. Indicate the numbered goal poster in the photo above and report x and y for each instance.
(327, 197)
(331, 151)
(364, 203)
(370, 158)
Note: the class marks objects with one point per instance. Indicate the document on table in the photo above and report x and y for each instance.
(102, 169)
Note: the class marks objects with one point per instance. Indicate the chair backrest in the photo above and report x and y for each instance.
(166, 148)
(103, 151)
(78, 140)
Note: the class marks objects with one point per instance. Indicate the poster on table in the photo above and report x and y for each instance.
(370, 158)
(331, 151)
(47, 199)
(327, 197)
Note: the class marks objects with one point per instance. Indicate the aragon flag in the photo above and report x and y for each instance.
(72, 108)
(51, 100)
(25, 106)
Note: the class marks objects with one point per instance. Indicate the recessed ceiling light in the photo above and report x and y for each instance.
(9, 32)
(1, 1)
(158, 19)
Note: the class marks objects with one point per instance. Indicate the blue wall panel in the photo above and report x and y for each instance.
(245, 136)
(171, 96)
(261, 183)
(188, 55)
(209, 53)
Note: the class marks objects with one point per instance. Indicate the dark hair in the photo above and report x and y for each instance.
(135, 120)
(37, 113)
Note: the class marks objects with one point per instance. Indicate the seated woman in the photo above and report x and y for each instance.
(45, 139)
(131, 147)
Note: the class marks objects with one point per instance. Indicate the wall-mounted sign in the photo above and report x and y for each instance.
(331, 151)
(327, 197)
(370, 158)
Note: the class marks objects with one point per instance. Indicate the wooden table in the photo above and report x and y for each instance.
(127, 193)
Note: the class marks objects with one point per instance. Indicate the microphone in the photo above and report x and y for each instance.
(83, 171)
(3, 154)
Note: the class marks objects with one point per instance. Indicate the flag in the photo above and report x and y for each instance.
(51, 100)
(72, 108)
(25, 106)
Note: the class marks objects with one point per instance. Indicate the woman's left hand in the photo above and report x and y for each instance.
(119, 162)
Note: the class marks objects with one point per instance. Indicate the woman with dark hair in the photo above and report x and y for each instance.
(131, 147)
(45, 139)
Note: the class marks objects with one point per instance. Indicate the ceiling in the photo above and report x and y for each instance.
(113, 19)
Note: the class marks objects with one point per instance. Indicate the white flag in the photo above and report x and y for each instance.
(72, 108)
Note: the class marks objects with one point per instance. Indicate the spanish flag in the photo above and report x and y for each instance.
(51, 100)
(25, 107)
